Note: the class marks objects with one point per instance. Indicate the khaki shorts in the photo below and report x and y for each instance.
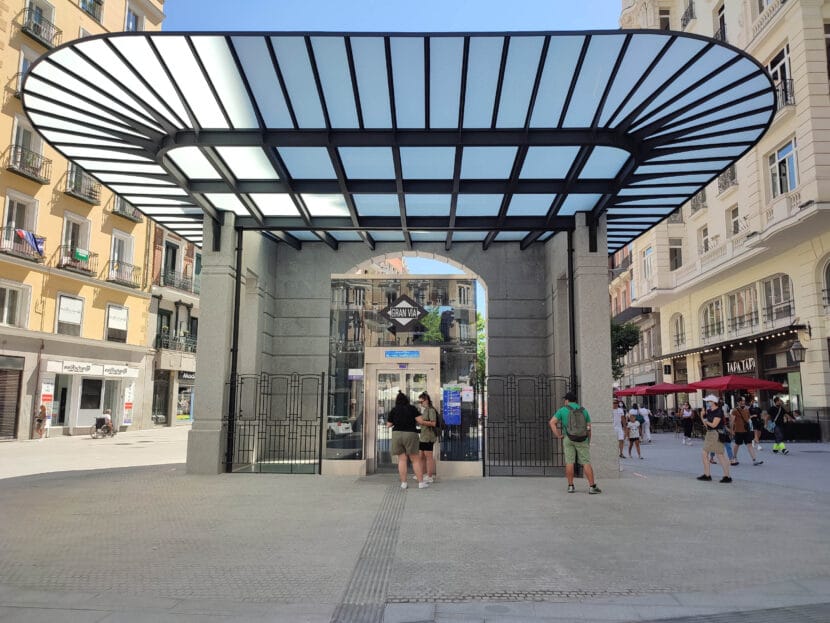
(711, 443)
(577, 450)
(404, 443)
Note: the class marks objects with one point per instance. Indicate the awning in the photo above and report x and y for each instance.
(333, 137)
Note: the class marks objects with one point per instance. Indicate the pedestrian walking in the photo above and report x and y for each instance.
(572, 424)
(403, 419)
(619, 419)
(741, 427)
(756, 415)
(645, 433)
(40, 421)
(714, 421)
(633, 434)
(778, 415)
(687, 419)
(427, 438)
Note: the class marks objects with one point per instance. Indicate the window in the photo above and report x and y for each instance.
(91, 393)
(743, 308)
(734, 223)
(678, 330)
(675, 253)
(778, 301)
(10, 299)
(665, 19)
(116, 324)
(27, 57)
(703, 243)
(70, 312)
(711, 319)
(92, 7)
(75, 233)
(135, 20)
(720, 23)
(827, 47)
(779, 71)
(783, 169)
(463, 295)
(648, 264)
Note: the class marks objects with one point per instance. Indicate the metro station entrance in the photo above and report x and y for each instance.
(388, 372)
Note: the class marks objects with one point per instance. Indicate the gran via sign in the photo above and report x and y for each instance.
(404, 313)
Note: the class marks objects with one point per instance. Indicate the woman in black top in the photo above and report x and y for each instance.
(714, 419)
(403, 419)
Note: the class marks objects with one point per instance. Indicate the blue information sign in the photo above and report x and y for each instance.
(402, 354)
(451, 409)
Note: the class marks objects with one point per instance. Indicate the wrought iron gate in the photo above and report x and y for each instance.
(277, 424)
(517, 438)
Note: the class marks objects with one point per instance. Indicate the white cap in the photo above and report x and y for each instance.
(711, 398)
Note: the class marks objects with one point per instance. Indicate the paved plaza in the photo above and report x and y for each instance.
(143, 541)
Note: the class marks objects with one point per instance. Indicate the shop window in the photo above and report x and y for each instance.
(783, 169)
(675, 253)
(116, 324)
(70, 313)
(91, 391)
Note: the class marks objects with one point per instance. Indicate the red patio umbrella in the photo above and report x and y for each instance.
(637, 390)
(736, 381)
(666, 388)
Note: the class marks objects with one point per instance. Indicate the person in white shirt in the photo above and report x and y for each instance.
(646, 432)
(633, 434)
(618, 417)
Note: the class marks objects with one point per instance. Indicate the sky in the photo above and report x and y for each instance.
(391, 15)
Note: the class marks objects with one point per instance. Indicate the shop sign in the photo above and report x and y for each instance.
(451, 406)
(355, 374)
(401, 354)
(187, 376)
(129, 396)
(120, 371)
(742, 366)
(404, 313)
(47, 396)
(79, 367)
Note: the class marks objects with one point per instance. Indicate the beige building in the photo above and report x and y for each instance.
(743, 270)
(74, 283)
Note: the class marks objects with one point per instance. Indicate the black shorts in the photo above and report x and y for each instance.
(743, 438)
(426, 446)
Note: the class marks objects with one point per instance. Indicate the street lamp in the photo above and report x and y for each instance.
(798, 351)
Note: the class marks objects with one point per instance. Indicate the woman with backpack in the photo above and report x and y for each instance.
(428, 436)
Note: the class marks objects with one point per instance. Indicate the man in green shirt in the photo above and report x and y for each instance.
(574, 449)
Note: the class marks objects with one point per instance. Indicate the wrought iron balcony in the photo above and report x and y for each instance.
(92, 7)
(30, 164)
(122, 207)
(124, 274)
(22, 243)
(679, 340)
(698, 202)
(676, 216)
(708, 331)
(778, 311)
(784, 94)
(746, 321)
(40, 29)
(688, 15)
(177, 280)
(720, 34)
(78, 260)
(82, 186)
(184, 343)
(727, 179)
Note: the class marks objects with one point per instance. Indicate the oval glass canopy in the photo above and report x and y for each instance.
(487, 138)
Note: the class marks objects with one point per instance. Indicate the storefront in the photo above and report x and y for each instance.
(185, 401)
(11, 374)
(777, 364)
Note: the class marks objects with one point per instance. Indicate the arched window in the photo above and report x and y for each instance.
(711, 319)
(826, 290)
(678, 330)
(778, 298)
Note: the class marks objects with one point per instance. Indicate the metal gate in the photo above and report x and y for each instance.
(517, 438)
(277, 423)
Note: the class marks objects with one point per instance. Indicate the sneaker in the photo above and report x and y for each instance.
(726, 479)
(757, 462)
(404, 485)
(423, 485)
(641, 458)
(785, 451)
(622, 456)
(734, 463)
(593, 490)
(774, 451)
(571, 488)
(759, 447)
(428, 479)
(704, 477)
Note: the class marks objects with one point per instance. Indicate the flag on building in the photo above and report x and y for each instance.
(36, 242)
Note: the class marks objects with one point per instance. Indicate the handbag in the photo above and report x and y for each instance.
(770, 426)
(723, 435)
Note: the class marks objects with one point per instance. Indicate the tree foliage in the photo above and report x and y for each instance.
(624, 337)
(432, 327)
(481, 349)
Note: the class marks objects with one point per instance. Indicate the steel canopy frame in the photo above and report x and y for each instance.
(338, 137)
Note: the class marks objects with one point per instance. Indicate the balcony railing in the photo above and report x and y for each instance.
(784, 94)
(124, 274)
(679, 340)
(121, 207)
(709, 331)
(29, 164)
(688, 15)
(676, 216)
(727, 179)
(22, 243)
(698, 202)
(177, 280)
(766, 16)
(778, 311)
(92, 7)
(78, 260)
(720, 34)
(44, 31)
(82, 186)
(184, 343)
(746, 321)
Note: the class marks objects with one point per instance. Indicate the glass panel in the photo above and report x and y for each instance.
(143, 200)
(193, 163)
(427, 163)
(326, 205)
(346, 236)
(478, 205)
(505, 236)
(428, 205)
(519, 75)
(482, 80)
(548, 162)
(248, 163)
(275, 204)
(428, 236)
(660, 190)
(560, 65)
(483, 163)
(530, 205)
(387, 236)
(149, 190)
(48, 121)
(408, 75)
(65, 137)
(34, 85)
(714, 166)
(578, 203)
(120, 178)
(643, 211)
(312, 163)
(604, 163)
(306, 236)
(445, 59)
(738, 137)
(222, 72)
(226, 201)
(72, 151)
(692, 154)
(753, 86)
(103, 55)
(109, 165)
(641, 52)
(688, 179)
(172, 211)
(370, 67)
(263, 80)
(335, 78)
(657, 201)
(361, 163)
(469, 236)
(33, 103)
(593, 78)
(377, 205)
(295, 65)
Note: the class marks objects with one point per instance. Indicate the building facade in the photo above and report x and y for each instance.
(74, 287)
(742, 271)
